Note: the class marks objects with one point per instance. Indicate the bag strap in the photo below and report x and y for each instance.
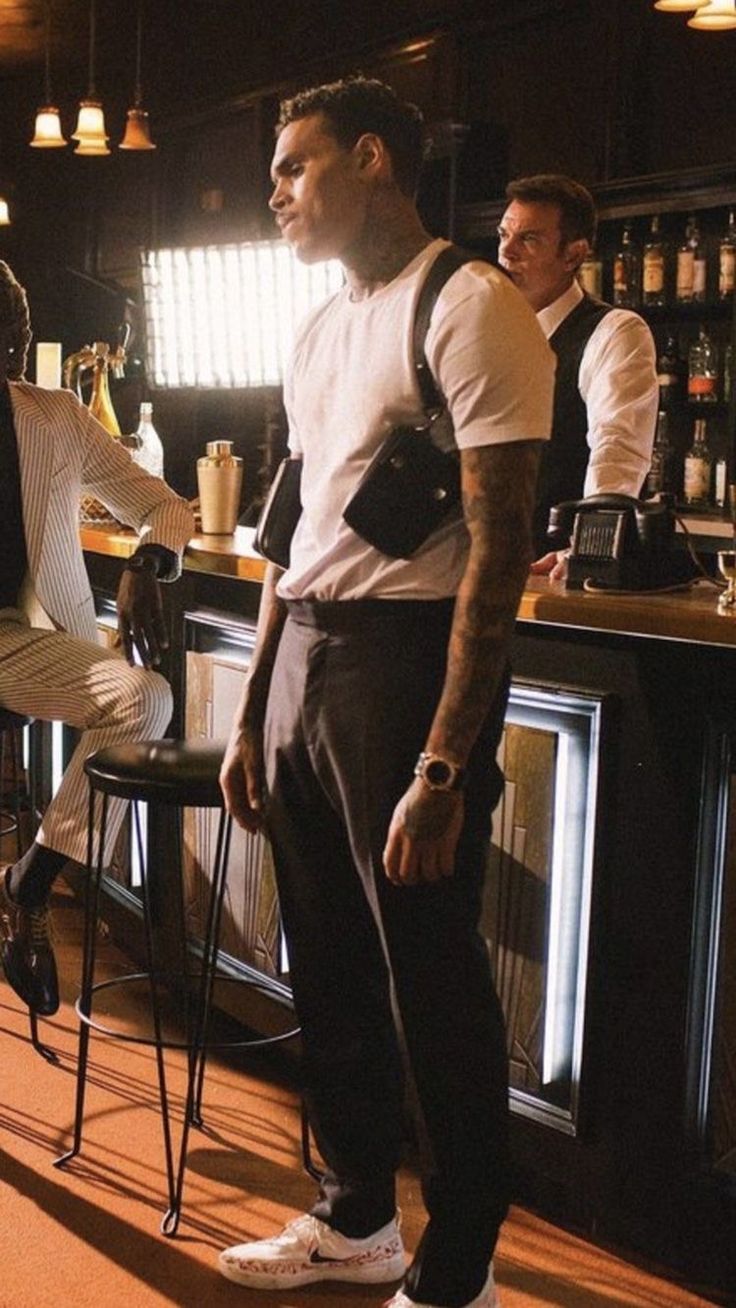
(447, 262)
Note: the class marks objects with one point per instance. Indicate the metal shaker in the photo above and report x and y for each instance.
(219, 480)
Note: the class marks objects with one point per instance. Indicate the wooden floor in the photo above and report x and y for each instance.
(89, 1235)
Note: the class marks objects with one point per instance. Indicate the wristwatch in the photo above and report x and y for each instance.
(142, 563)
(438, 773)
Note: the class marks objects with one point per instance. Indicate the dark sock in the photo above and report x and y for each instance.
(29, 881)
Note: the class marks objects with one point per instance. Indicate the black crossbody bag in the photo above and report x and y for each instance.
(410, 487)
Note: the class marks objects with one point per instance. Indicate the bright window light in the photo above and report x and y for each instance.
(224, 315)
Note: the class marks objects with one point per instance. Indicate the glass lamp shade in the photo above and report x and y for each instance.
(679, 6)
(716, 16)
(4, 214)
(90, 131)
(137, 131)
(47, 133)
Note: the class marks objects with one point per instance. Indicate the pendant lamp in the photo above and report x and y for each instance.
(47, 133)
(679, 6)
(137, 129)
(716, 16)
(90, 132)
(4, 214)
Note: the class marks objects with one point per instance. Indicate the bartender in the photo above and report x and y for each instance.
(605, 406)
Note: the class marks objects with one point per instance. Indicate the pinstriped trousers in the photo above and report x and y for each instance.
(59, 678)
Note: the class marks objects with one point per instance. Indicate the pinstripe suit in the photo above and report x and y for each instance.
(51, 665)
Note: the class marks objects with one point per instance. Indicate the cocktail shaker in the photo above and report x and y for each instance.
(219, 480)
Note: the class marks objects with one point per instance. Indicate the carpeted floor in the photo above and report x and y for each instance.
(89, 1236)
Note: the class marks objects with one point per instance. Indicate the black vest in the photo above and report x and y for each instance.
(13, 558)
(565, 456)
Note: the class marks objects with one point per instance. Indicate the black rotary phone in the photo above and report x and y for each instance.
(619, 543)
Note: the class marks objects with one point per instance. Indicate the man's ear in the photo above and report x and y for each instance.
(372, 156)
(575, 253)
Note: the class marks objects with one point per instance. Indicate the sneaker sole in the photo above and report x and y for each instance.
(338, 1271)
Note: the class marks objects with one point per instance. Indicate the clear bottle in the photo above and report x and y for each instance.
(721, 483)
(690, 285)
(698, 469)
(659, 477)
(150, 452)
(727, 259)
(590, 275)
(702, 373)
(670, 373)
(627, 271)
(653, 266)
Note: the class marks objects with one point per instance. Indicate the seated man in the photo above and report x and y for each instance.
(605, 406)
(51, 665)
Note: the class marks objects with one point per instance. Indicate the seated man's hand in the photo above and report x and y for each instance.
(141, 624)
(553, 565)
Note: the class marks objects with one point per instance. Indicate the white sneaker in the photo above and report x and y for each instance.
(486, 1299)
(309, 1250)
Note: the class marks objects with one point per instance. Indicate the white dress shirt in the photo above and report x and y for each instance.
(618, 383)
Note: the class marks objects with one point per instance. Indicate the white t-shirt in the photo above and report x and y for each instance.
(617, 381)
(352, 379)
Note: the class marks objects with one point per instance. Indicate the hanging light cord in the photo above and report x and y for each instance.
(92, 94)
(138, 93)
(47, 75)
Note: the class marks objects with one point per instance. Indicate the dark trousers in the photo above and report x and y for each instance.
(354, 691)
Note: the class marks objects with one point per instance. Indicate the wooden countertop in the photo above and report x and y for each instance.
(688, 615)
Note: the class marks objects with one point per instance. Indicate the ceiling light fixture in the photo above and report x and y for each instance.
(717, 16)
(679, 6)
(47, 133)
(137, 129)
(90, 131)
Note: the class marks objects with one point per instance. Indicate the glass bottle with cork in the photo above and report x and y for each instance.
(702, 374)
(727, 259)
(653, 266)
(627, 271)
(698, 469)
(691, 268)
(144, 443)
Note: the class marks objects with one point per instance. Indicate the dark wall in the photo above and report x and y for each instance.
(598, 88)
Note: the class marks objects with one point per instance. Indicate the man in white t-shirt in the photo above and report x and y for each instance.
(366, 737)
(606, 385)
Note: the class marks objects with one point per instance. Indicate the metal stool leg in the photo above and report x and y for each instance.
(209, 956)
(84, 1003)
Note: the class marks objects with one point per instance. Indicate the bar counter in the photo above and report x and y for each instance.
(686, 614)
(610, 908)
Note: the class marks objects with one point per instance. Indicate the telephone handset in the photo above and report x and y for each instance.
(619, 543)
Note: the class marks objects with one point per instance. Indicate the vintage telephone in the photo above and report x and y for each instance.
(619, 543)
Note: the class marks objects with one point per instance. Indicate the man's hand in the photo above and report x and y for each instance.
(553, 565)
(423, 835)
(140, 617)
(242, 777)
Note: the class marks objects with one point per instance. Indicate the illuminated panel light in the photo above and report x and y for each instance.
(224, 315)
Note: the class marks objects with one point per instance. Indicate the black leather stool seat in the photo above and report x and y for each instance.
(160, 772)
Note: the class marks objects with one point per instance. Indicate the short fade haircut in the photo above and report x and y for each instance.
(578, 218)
(15, 323)
(356, 105)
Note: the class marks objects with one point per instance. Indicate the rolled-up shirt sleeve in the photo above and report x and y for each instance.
(618, 382)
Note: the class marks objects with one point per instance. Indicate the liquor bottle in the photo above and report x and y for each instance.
(659, 477)
(721, 483)
(150, 453)
(727, 259)
(671, 370)
(590, 275)
(690, 285)
(653, 287)
(627, 271)
(698, 469)
(702, 374)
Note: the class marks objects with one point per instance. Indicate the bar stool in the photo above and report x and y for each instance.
(174, 774)
(12, 800)
(11, 724)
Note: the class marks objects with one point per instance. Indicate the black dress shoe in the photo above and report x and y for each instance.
(27, 956)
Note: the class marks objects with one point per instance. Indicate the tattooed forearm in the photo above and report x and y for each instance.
(498, 498)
